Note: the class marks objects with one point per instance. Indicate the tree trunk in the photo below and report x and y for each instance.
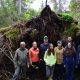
(60, 6)
(55, 5)
(19, 6)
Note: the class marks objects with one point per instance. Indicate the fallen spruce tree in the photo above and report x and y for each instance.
(55, 26)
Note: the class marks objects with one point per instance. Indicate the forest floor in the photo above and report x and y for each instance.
(38, 75)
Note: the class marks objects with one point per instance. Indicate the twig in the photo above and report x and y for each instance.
(6, 55)
(11, 55)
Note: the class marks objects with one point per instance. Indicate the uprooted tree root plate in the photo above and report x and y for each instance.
(47, 23)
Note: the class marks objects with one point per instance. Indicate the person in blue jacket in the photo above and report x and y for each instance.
(70, 60)
(43, 47)
(78, 58)
(78, 51)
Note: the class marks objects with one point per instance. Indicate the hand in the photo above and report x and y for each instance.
(31, 63)
(40, 59)
(28, 66)
(47, 63)
(37, 67)
(15, 66)
(64, 66)
(33, 66)
(76, 66)
(78, 61)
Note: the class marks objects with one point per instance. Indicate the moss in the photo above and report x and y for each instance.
(12, 34)
(5, 29)
(33, 33)
(70, 31)
(66, 16)
(72, 28)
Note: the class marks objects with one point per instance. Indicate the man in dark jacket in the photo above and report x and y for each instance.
(43, 47)
(20, 61)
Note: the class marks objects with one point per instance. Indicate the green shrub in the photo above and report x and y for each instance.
(66, 16)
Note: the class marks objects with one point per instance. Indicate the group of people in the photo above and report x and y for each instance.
(47, 59)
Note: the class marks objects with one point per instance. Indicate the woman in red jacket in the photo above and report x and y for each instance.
(34, 54)
(34, 58)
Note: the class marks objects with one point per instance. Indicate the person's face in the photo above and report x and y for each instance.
(51, 46)
(45, 40)
(69, 45)
(59, 44)
(34, 45)
(22, 46)
(69, 38)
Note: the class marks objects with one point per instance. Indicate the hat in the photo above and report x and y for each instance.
(59, 42)
(45, 37)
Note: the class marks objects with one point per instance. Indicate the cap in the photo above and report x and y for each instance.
(59, 42)
(45, 37)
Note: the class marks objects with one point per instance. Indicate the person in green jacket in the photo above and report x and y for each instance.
(50, 60)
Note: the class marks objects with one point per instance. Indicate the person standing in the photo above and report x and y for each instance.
(78, 59)
(43, 47)
(70, 60)
(20, 62)
(50, 60)
(78, 54)
(34, 58)
(69, 40)
(59, 68)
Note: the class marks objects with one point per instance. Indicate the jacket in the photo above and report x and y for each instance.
(70, 58)
(21, 57)
(59, 55)
(43, 48)
(50, 60)
(33, 55)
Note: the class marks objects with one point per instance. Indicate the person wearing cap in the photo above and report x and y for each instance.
(34, 59)
(43, 47)
(59, 60)
(20, 61)
(70, 60)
